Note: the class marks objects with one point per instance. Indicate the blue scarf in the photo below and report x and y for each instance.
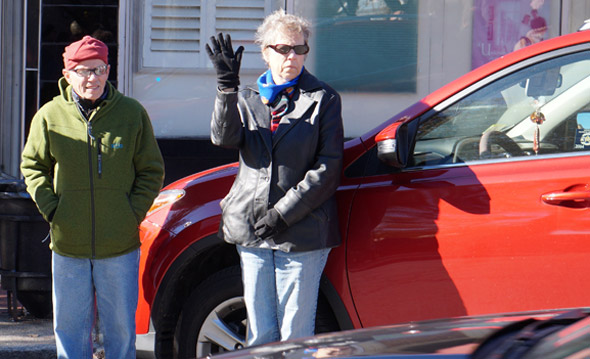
(268, 89)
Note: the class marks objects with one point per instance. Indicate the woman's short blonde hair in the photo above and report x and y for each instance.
(282, 23)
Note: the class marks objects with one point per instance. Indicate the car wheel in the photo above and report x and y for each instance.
(213, 319)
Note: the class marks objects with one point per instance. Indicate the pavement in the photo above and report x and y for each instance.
(24, 336)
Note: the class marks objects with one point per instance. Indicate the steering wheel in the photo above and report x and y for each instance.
(500, 139)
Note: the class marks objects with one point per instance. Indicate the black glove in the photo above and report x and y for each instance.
(269, 225)
(225, 61)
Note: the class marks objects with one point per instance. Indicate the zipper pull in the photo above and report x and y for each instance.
(99, 157)
(90, 131)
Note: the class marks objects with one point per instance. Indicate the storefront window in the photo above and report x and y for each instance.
(66, 21)
(367, 45)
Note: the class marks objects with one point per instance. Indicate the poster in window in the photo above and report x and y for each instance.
(502, 26)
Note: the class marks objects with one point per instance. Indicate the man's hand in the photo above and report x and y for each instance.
(269, 225)
(225, 61)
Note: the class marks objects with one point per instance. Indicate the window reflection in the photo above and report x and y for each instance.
(497, 120)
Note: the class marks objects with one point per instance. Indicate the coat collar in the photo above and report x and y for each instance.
(307, 83)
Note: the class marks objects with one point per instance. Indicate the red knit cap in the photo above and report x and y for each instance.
(86, 49)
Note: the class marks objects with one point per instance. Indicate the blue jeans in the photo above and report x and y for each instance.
(81, 286)
(280, 292)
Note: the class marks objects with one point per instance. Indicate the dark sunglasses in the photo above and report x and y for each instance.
(285, 49)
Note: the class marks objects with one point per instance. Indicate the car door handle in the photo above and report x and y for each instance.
(558, 198)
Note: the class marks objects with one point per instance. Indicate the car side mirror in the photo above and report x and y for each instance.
(394, 143)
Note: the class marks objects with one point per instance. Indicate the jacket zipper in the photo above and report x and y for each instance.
(99, 145)
(92, 211)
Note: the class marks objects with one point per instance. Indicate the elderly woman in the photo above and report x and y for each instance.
(280, 212)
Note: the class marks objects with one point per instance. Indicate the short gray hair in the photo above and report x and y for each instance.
(281, 22)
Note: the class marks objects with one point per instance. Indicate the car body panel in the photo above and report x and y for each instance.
(446, 338)
(475, 239)
(170, 231)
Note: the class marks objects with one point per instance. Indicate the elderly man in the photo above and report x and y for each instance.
(93, 167)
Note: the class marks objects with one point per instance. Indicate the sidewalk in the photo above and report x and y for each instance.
(27, 337)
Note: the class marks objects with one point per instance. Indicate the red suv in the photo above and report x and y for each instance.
(474, 200)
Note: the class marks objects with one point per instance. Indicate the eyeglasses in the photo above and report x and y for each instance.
(97, 71)
(285, 49)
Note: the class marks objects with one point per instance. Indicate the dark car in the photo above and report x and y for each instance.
(547, 335)
(474, 200)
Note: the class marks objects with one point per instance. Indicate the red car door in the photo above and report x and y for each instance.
(491, 214)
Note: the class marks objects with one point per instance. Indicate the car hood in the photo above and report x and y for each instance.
(444, 338)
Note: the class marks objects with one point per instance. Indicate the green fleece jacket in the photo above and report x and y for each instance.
(96, 179)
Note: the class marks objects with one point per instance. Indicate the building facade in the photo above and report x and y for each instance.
(381, 55)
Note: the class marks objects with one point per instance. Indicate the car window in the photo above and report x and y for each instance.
(539, 110)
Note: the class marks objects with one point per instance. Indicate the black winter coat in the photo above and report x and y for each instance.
(296, 170)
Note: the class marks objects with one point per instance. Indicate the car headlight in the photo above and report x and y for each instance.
(166, 198)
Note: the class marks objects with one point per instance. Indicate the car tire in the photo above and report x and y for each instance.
(213, 319)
